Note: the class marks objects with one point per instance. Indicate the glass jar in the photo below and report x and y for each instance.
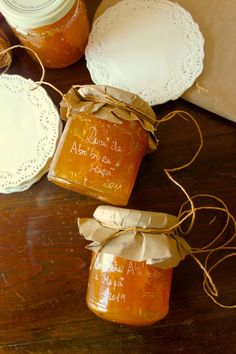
(98, 158)
(128, 292)
(134, 253)
(99, 153)
(57, 30)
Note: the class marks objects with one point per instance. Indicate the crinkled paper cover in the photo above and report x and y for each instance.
(126, 233)
(110, 104)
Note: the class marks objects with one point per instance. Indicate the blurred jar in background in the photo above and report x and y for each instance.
(57, 30)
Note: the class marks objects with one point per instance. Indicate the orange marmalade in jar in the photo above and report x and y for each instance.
(134, 253)
(126, 291)
(103, 143)
(57, 30)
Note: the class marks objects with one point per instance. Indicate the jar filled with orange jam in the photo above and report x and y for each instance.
(57, 30)
(134, 253)
(102, 145)
(126, 291)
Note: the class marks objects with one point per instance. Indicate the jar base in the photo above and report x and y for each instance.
(135, 322)
(90, 192)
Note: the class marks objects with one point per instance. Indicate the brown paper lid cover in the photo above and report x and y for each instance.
(135, 235)
(110, 104)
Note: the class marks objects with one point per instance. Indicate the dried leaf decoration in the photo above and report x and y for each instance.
(6, 58)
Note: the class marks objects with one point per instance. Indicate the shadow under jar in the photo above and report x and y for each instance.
(56, 30)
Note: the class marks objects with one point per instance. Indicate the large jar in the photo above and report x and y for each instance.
(57, 30)
(102, 145)
(134, 253)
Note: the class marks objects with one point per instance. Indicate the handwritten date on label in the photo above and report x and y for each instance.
(113, 186)
(120, 297)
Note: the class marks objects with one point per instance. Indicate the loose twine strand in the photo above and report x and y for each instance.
(208, 283)
(200, 89)
(5, 59)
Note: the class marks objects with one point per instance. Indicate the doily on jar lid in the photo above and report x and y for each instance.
(30, 129)
(152, 48)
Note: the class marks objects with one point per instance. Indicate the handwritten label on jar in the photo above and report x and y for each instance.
(98, 158)
(103, 155)
(115, 279)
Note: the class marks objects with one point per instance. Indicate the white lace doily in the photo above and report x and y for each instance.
(30, 128)
(150, 47)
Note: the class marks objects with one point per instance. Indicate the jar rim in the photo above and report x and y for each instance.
(123, 217)
(25, 14)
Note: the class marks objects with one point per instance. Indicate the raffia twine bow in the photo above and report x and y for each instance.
(208, 283)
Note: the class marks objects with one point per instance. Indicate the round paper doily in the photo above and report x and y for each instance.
(152, 48)
(30, 128)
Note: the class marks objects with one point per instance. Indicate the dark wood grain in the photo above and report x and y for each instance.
(44, 265)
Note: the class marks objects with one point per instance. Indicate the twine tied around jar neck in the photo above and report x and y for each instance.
(208, 283)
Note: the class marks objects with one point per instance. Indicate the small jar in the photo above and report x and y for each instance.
(99, 155)
(134, 253)
(56, 30)
(126, 291)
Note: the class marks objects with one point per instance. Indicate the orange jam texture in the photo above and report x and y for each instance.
(61, 43)
(126, 291)
(98, 158)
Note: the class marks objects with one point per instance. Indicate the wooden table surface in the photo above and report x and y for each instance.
(44, 265)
